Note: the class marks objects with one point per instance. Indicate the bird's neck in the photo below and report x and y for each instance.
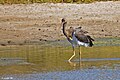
(64, 32)
(73, 33)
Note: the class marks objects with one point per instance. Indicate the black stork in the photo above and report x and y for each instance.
(77, 37)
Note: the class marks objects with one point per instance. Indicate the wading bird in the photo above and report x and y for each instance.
(77, 37)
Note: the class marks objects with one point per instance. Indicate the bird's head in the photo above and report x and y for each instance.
(80, 27)
(63, 23)
(63, 20)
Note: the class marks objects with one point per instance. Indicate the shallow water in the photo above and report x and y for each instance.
(84, 74)
(46, 62)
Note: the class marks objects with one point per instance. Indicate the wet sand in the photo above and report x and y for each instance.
(22, 23)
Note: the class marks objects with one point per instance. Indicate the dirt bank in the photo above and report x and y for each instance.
(27, 22)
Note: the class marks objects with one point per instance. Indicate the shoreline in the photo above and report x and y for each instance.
(42, 22)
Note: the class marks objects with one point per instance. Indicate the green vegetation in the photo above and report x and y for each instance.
(51, 1)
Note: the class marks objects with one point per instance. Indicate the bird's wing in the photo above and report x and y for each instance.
(85, 39)
(82, 38)
(81, 35)
(90, 38)
(80, 31)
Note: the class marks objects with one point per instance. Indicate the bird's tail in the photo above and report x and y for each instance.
(90, 41)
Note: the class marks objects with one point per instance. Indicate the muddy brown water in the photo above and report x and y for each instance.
(48, 61)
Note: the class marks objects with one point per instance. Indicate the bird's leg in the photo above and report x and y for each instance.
(80, 62)
(72, 55)
(79, 53)
(72, 63)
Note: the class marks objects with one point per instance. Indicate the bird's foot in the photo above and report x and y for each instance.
(72, 63)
